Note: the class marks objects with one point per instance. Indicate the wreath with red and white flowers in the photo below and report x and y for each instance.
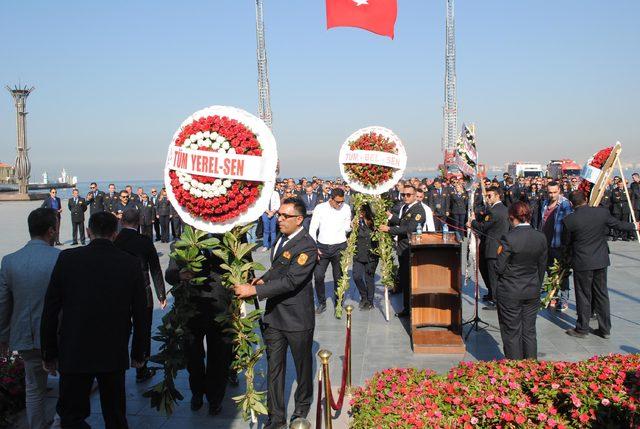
(592, 170)
(221, 168)
(372, 160)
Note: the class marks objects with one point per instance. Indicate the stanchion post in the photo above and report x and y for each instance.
(324, 356)
(349, 309)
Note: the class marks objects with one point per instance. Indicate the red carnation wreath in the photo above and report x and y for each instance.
(380, 157)
(220, 133)
(596, 161)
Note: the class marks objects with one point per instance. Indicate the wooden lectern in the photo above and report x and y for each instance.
(436, 294)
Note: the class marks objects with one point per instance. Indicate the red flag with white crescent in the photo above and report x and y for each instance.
(377, 16)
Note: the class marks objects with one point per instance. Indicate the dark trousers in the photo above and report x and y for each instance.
(73, 402)
(306, 222)
(623, 235)
(363, 277)
(164, 228)
(176, 227)
(488, 273)
(517, 318)
(535, 216)
(147, 230)
(210, 379)
(58, 224)
(149, 317)
(300, 344)
(156, 228)
(75, 227)
(591, 286)
(329, 253)
(458, 222)
(437, 222)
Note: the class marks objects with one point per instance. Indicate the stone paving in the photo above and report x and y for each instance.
(376, 344)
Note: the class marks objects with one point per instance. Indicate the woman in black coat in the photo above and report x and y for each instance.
(521, 264)
(365, 261)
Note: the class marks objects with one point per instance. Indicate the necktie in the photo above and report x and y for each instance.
(75, 201)
(283, 240)
(402, 210)
(309, 198)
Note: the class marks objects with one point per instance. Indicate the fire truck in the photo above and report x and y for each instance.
(525, 169)
(559, 168)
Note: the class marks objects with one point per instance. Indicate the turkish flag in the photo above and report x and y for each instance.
(377, 16)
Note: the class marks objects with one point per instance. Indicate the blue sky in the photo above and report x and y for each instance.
(542, 79)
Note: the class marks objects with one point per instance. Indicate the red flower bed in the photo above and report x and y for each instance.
(597, 161)
(371, 175)
(12, 390)
(239, 195)
(599, 392)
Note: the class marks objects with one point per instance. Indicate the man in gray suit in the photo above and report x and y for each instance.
(24, 278)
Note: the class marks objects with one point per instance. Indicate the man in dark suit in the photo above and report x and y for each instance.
(142, 247)
(176, 223)
(521, 264)
(124, 204)
(147, 217)
(77, 207)
(438, 201)
(491, 228)
(402, 226)
(584, 236)
(156, 222)
(163, 214)
(289, 315)
(53, 202)
(208, 371)
(91, 340)
(634, 190)
(95, 199)
(111, 199)
(310, 200)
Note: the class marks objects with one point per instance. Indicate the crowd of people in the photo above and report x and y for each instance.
(522, 227)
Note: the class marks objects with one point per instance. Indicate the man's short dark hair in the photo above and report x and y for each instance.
(337, 192)
(40, 220)
(93, 184)
(53, 189)
(635, 174)
(495, 189)
(553, 183)
(298, 206)
(112, 184)
(410, 186)
(103, 224)
(577, 198)
(131, 217)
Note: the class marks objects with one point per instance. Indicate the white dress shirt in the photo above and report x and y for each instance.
(274, 203)
(333, 224)
(428, 214)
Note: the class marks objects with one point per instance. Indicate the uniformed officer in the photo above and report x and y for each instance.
(634, 191)
(289, 318)
(147, 216)
(438, 200)
(77, 206)
(153, 199)
(620, 210)
(458, 200)
(521, 264)
(402, 226)
(176, 223)
(111, 199)
(492, 227)
(124, 204)
(520, 190)
(95, 199)
(509, 189)
(163, 214)
(534, 197)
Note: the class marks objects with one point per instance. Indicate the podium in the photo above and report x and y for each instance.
(436, 294)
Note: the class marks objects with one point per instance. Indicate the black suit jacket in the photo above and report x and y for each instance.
(585, 236)
(147, 214)
(89, 308)
(142, 247)
(287, 285)
(521, 263)
(492, 227)
(47, 204)
(403, 227)
(96, 204)
(77, 209)
(163, 208)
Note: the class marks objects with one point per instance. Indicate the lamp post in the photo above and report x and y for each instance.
(23, 166)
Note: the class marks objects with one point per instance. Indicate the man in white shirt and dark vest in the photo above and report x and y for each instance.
(330, 223)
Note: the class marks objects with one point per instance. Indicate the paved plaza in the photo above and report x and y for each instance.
(376, 344)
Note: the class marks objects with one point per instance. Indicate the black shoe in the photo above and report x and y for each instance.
(82, 243)
(490, 305)
(368, 307)
(362, 304)
(574, 333)
(321, 308)
(75, 243)
(214, 409)
(233, 378)
(196, 402)
(403, 313)
(615, 239)
(486, 297)
(601, 334)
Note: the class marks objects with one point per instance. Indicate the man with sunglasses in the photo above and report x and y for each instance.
(53, 202)
(401, 226)
(329, 225)
(123, 205)
(95, 199)
(288, 318)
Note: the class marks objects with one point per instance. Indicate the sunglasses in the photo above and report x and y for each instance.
(407, 194)
(286, 216)
(92, 187)
(124, 196)
(338, 202)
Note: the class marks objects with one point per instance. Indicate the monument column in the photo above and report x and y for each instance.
(23, 166)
